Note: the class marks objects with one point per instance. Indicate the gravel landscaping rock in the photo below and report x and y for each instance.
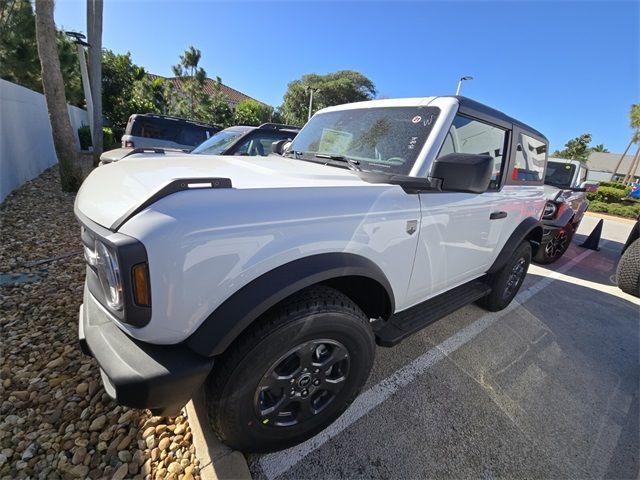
(56, 421)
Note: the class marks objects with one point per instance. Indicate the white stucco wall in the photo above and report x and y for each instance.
(26, 142)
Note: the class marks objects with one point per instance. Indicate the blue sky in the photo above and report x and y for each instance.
(563, 67)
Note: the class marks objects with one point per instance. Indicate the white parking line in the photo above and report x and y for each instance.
(275, 464)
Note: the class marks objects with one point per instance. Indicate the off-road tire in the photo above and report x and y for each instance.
(232, 390)
(545, 256)
(628, 271)
(503, 290)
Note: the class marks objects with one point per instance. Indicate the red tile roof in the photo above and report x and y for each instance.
(210, 85)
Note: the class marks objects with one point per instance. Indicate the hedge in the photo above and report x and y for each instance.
(609, 194)
(628, 209)
(84, 134)
(614, 185)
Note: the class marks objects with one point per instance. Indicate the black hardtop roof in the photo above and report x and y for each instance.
(171, 117)
(264, 126)
(279, 126)
(474, 108)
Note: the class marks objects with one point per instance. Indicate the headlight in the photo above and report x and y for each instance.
(549, 210)
(109, 275)
(90, 256)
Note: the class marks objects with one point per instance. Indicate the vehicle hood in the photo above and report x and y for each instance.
(552, 193)
(112, 190)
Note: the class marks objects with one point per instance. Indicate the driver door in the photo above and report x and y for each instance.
(460, 231)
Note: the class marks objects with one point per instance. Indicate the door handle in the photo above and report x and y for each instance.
(497, 215)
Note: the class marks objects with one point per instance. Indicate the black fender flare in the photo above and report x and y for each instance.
(236, 313)
(563, 220)
(529, 229)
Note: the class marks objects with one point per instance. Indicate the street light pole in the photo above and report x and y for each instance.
(462, 79)
(310, 103)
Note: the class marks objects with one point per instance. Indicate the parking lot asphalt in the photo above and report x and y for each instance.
(547, 388)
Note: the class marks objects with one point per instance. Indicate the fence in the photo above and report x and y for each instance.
(26, 142)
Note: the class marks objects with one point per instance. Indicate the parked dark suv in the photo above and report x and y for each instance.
(148, 130)
(243, 140)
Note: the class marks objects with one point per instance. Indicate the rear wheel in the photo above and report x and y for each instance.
(553, 249)
(506, 282)
(628, 271)
(292, 374)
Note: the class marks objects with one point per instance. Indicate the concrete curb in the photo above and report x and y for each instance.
(610, 217)
(217, 461)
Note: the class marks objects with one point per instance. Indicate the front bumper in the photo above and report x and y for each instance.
(162, 378)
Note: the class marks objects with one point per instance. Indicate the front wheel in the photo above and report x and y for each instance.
(555, 247)
(506, 282)
(292, 374)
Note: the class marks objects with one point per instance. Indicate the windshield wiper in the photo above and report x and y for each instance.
(353, 164)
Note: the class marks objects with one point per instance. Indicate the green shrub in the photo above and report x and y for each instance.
(84, 134)
(108, 139)
(627, 209)
(613, 185)
(596, 206)
(609, 194)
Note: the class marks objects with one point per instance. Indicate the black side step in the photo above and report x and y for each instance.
(409, 321)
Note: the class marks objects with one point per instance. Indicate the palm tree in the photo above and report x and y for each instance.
(194, 77)
(634, 121)
(53, 86)
(600, 148)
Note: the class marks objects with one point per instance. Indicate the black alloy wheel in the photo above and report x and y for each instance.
(302, 383)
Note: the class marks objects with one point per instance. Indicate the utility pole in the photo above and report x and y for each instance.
(94, 33)
(462, 79)
(78, 39)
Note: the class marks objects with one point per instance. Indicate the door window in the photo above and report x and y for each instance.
(259, 144)
(471, 136)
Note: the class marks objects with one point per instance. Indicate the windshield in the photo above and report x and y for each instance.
(559, 174)
(382, 139)
(217, 144)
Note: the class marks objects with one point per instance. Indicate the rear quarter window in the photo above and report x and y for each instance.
(192, 135)
(529, 160)
(158, 128)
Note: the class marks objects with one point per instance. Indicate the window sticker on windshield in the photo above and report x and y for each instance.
(334, 141)
(413, 142)
(425, 121)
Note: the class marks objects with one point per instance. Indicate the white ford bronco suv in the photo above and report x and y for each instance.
(269, 281)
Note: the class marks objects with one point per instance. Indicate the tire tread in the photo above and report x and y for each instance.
(628, 270)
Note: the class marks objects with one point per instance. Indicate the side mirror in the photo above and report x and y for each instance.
(463, 172)
(589, 187)
(278, 146)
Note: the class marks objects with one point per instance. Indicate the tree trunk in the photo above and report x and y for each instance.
(632, 168)
(615, 170)
(94, 32)
(53, 85)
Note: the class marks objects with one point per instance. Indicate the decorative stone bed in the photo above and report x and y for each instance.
(56, 421)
